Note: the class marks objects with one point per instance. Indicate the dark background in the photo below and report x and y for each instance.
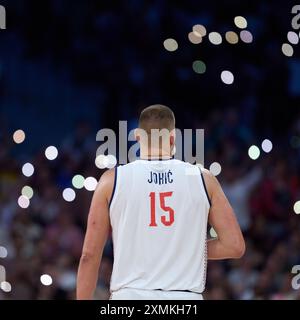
(70, 68)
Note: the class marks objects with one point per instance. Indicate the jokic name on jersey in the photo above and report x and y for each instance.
(161, 177)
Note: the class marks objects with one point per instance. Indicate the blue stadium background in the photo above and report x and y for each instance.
(70, 68)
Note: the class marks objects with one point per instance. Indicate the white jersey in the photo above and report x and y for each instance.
(158, 213)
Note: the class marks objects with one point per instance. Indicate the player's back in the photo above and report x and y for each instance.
(159, 212)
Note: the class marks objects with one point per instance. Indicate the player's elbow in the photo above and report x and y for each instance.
(87, 257)
(238, 247)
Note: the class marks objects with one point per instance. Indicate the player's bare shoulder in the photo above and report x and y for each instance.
(106, 183)
(108, 176)
(211, 181)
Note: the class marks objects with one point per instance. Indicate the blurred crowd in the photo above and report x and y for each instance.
(262, 192)
(47, 237)
(67, 71)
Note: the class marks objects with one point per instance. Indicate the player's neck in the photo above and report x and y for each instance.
(155, 154)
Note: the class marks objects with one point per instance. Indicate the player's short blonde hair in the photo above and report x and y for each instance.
(157, 116)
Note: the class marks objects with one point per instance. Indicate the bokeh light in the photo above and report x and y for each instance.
(27, 192)
(246, 36)
(90, 183)
(19, 136)
(194, 38)
(213, 233)
(111, 161)
(78, 181)
(215, 38)
(231, 37)
(5, 286)
(227, 77)
(69, 194)
(199, 30)
(171, 44)
(293, 37)
(267, 145)
(23, 202)
(51, 153)
(3, 252)
(297, 207)
(254, 152)
(46, 280)
(215, 168)
(28, 169)
(240, 22)
(199, 66)
(101, 161)
(287, 50)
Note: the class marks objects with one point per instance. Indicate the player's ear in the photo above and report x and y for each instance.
(137, 134)
(140, 135)
(172, 137)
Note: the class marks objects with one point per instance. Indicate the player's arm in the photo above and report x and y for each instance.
(230, 241)
(95, 238)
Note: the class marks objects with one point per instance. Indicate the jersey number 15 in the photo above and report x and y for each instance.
(167, 220)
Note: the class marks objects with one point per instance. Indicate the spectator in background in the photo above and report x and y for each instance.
(238, 188)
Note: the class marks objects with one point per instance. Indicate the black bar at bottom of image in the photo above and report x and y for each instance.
(92, 310)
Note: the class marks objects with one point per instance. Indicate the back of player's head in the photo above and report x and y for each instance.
(157, 116)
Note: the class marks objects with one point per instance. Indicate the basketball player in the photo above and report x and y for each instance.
(158, 208)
